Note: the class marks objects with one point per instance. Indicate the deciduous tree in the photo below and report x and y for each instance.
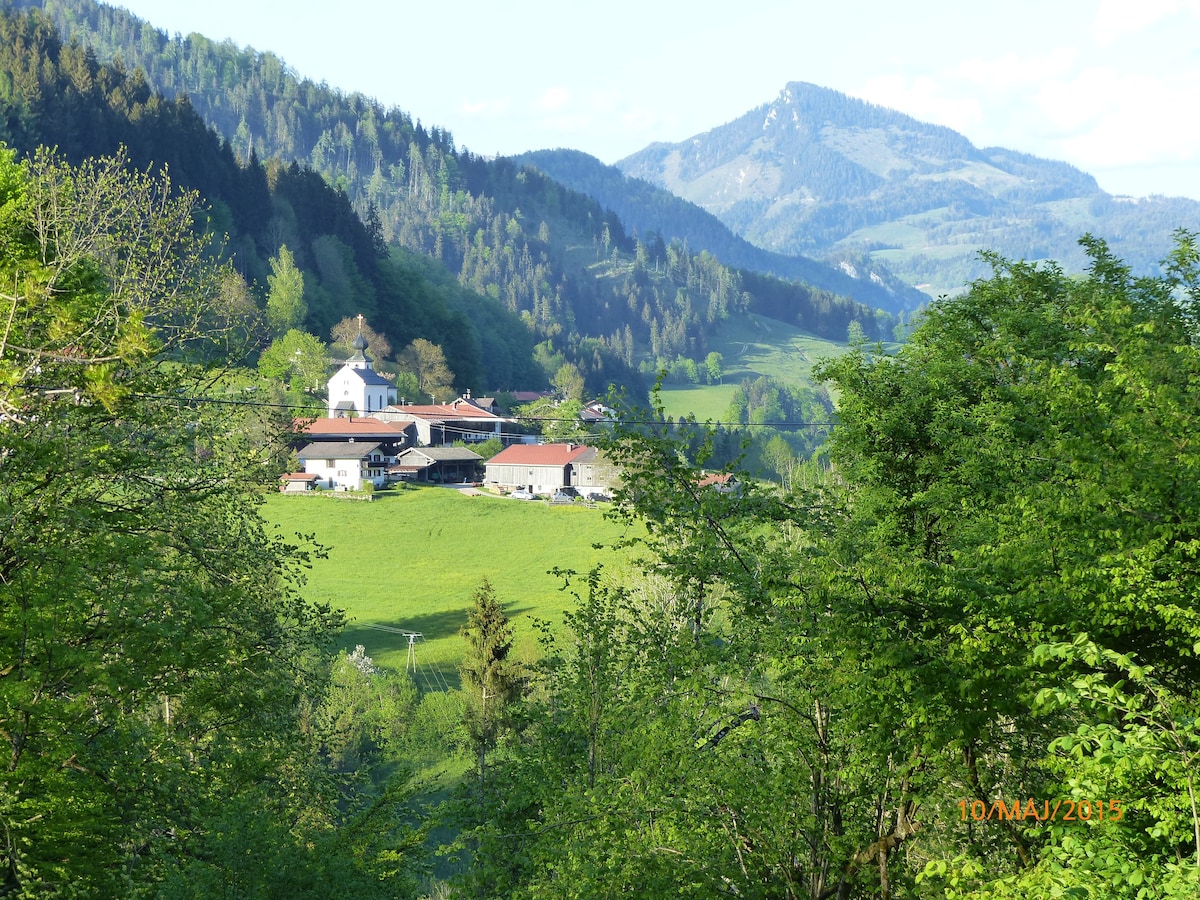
(427, 361)
(286, 308)
(298, 358)
(346, 331)
(154, 642)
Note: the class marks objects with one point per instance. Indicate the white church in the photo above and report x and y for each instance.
(357, 389)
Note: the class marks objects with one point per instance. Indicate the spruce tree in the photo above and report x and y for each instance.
(489, 678)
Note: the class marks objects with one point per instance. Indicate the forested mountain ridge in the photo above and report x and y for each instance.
(60, 96)
(553, 256)
(816, 171)
(644, 208)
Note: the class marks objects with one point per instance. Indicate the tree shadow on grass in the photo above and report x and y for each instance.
(391, 638)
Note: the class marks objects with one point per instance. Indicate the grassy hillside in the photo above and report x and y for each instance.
(411, 559)
(751, 346)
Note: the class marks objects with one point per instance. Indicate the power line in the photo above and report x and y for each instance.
(430, 676)
(465, 430)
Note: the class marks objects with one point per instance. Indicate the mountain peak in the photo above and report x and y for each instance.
(818, 172)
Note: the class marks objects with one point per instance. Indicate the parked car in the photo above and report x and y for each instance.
(561, 497)
(598, 497)
(521, 495)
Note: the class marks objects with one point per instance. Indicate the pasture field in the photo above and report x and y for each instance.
(755, 345)
(750, 346)
(707, 402)
(411, 559)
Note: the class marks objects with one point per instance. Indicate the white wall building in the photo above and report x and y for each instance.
(345, 465)
(357, 389)
(444, 423)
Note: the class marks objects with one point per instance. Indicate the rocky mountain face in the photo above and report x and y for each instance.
(817, 172)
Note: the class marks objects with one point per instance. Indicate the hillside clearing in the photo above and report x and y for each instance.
(750, 347)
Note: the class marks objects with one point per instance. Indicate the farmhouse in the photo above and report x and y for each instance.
(391, 437)
(721, 482)
(544, 468)
(438, 424)
(345, 465)
(356, 389)
(598, 413)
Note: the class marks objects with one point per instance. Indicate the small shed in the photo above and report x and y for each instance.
(297, 482)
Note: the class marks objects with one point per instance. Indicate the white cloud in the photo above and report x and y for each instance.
(554, 99)
(1106, 118)
(1012, 71)
(925, 98)
(1116, 19)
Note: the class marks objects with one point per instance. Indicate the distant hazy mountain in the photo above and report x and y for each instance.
(646, 209)
(817, 172)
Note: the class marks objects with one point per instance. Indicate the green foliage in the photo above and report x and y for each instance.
(299, 359)
(490, 678)
(63, 96)
(486, 449)
(807, 689)
(155, 642)
(712, 367)
(554, 420)
(1019, 468)
(568, 382)
(428, 363)
(509, 233)
(363, 717)
(286, 308)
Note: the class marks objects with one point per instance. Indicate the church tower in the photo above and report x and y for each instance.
(356, 389)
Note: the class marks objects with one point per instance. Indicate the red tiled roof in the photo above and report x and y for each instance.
(299, 476)
(715, 478)
(539, 454)
(457, 409)
(360, 425)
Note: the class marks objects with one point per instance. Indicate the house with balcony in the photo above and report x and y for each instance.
(345, 465)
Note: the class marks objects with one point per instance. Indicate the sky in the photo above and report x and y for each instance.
(1110, 86)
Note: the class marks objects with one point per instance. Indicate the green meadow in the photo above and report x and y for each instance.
(750, 346)
(411, 559)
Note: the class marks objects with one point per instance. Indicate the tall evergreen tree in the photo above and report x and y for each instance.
(489, 677)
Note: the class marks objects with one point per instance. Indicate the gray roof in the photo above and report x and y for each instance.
(444, 454)
(370, 376)
(338, 449)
